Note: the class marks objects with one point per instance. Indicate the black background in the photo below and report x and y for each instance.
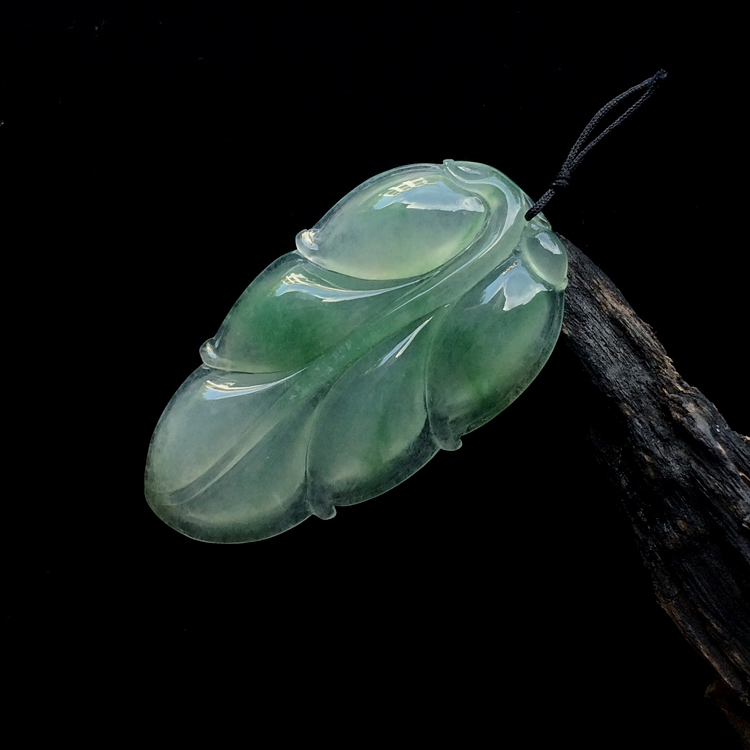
(154, 162)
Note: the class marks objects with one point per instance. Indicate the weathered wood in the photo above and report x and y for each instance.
(681, 473)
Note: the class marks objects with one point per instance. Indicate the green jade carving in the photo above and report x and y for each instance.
(417, 309)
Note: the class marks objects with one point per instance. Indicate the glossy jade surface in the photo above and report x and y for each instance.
(418, 308)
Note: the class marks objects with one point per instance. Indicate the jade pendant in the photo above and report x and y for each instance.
(418, 308)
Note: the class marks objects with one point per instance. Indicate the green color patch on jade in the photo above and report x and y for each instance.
(418, 308)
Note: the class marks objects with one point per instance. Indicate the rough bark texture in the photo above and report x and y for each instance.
(681, 473)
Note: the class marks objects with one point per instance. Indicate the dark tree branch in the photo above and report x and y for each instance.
(681, 473)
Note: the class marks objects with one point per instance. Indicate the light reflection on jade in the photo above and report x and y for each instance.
(418, 308)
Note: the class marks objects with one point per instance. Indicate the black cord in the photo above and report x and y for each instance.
(578, 152)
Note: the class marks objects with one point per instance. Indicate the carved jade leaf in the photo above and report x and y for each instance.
(417, 309)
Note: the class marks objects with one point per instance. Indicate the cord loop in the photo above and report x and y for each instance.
(580, 149)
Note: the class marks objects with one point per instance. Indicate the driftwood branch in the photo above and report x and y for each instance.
(681, 474)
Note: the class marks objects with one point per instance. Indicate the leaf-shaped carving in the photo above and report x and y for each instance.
(417, 309)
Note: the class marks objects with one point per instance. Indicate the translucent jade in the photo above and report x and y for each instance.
(418, 308)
